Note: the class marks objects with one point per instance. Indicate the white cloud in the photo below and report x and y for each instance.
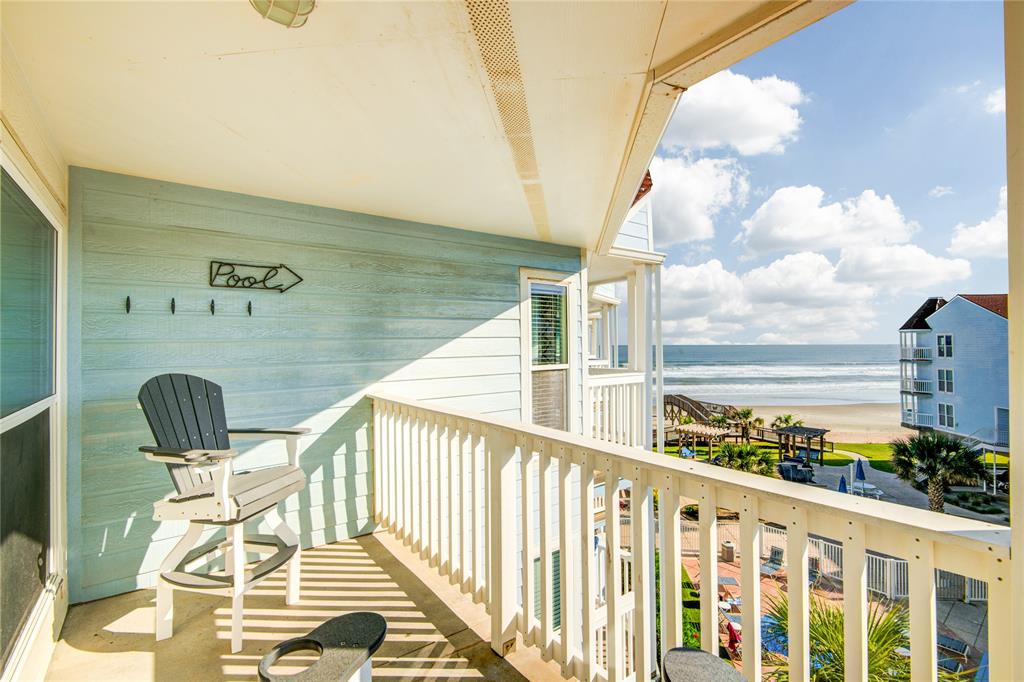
(987, 238)
(939, 191)
(689, 194)
(995, 101)
(899, 266)
(966, 87)
(797, 298)
(794, 218)
(753, 116)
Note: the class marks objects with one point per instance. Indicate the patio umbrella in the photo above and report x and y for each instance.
(842, 483)
(860, 471)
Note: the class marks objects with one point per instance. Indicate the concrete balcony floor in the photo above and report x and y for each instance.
(434, 631)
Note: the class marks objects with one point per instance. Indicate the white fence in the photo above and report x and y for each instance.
(887, 576)
(450, 484)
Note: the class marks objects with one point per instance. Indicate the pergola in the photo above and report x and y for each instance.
(805, 433)
(704, 431)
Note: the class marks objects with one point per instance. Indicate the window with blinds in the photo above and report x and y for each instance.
(549, 354)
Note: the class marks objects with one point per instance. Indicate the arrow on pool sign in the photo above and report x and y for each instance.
(225, 275)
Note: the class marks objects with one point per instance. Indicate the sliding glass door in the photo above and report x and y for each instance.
(28, 276)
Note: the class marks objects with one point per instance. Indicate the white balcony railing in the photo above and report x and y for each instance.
(914, 353)
(450, 483)
(913, 418)
(916, 385)
(616, 401)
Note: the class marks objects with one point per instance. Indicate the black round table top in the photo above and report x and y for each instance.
(344, 644)
(683, 664)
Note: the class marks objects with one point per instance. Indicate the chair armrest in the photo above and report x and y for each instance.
(258, 433)
(290, 436)
(182, 456)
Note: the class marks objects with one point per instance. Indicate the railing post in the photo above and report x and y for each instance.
(613, 571)
(855, 604)
(921, 570)
(529, 580)
(588, 577)
(643, 558)
(1001, 614)
(567, 577)
(799, 596)
(501, 449)
(750, 586)
(708, 530)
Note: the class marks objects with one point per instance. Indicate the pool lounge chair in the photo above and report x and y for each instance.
(951, 665)
(953, 645)
(774, 563)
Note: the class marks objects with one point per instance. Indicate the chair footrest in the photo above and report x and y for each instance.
(258, 543)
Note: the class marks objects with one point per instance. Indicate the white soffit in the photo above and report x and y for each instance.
(382, 108)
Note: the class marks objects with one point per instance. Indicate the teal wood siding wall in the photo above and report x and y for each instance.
(426, 311)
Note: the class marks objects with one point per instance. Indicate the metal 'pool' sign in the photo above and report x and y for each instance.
(278, 277)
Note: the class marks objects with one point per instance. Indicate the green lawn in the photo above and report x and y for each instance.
(879, 453)
(831, 458)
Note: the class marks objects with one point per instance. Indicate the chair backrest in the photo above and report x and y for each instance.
(775, 556)
(186, 412)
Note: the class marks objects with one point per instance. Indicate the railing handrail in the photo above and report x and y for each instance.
(978, 536)
(603, 376)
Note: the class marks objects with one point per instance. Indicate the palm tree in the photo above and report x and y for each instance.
(745, 419)
(784, 420)
(940, 459)
(719, 420)
(888, 625)
(746, 457)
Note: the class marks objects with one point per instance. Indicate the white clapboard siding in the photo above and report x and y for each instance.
(426, 310)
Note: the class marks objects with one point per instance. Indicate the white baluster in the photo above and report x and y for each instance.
(526, 464)
(500, 453)
(669, 512)
(855, 604)
(466, 506)
(750, 588)
(613, 571)
(477, 514)
(588, 578)
(454, 498)
(921, 569)
(1002, 614)
(544, 494)
(643, 555)
(378, 451)
(708, 530)
(799, 596)
(567, 571)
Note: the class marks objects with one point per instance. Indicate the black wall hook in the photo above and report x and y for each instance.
(172, 306)
(127, 304)
(213, 307)
(249, 308)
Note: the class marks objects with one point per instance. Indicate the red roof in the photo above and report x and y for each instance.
(994, 302)
(645, 187)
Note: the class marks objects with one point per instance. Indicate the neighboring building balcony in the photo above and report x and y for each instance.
(454, 491)
(913, 419)
(915, 386)
(913, 353)
(617, 405)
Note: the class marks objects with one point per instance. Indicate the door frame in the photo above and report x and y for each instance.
(30, 655)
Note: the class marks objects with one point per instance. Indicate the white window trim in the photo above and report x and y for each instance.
(571, 282)
(939, 415)
(36, 640)
(939, 381)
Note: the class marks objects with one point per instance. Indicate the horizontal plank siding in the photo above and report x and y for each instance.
(425, 310)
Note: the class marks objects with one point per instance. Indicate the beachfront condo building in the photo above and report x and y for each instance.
(296, 323)
(954, 369)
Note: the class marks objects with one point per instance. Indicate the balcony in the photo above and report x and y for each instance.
(912, 419)
(449, 484)
(617, 402)
(912, 353)
(915, 386)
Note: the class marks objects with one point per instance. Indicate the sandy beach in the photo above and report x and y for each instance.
(848, 423)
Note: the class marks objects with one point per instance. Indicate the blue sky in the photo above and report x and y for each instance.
(820, 189)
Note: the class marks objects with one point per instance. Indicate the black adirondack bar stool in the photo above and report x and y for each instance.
(186, 415)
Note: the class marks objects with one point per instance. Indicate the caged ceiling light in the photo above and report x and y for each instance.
(288, 13)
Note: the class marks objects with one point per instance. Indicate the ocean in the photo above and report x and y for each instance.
(784, 375)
